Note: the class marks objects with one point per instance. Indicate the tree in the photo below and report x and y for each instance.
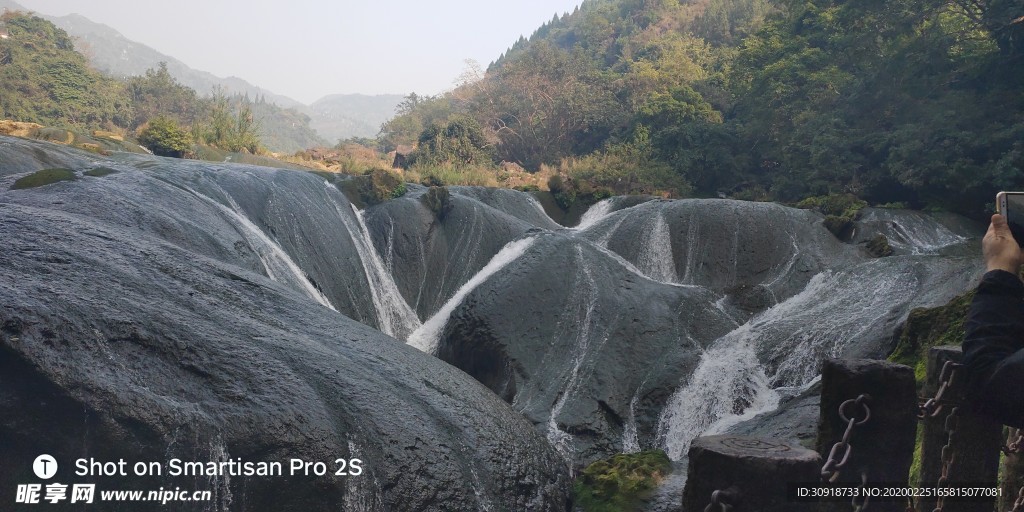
(164, 137)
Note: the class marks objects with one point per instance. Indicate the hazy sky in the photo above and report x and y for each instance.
(307, 49)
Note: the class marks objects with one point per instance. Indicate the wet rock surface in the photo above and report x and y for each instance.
(648, 324)
(131, 331)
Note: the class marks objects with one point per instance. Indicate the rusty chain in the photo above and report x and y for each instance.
(948, 455)
(830, 471)
(1018, 504)
(721, 499)
(1017, 444)
(860, 503)
(933, 406)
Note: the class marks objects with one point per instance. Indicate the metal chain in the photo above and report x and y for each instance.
(948, 455)
(721, 500)
(933, 406)
(1018, 504)
(860, 503)
(1017, 444)
(830, 471)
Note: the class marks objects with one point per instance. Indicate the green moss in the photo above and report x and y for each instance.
(99, 172)
(619, 483)
(375, 187)
(879, 246)
(329, 176)
(930, 327)
(840, 211)
(438, 200)
(44, 177)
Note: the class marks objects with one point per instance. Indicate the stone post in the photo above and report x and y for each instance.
(750, 474)
(974, 451)
(882, 447)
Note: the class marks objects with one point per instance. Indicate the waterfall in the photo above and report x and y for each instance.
(742, 373)
(560, 439)
(428, 335)
(655, 257)
(728, 386)
(594, 214)
(277, 264)
(394, 316)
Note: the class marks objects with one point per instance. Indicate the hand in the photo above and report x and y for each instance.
(1000, 250)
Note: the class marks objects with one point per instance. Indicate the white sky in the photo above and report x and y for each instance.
(306, 49)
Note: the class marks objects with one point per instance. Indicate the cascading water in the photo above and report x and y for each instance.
(584, 307)
(427, 336)
(394, 315)
(277, 264)
(594, 214)
(656, 259)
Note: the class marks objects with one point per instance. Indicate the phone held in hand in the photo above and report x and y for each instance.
(1011, 206)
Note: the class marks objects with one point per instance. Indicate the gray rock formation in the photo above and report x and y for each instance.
(139, 320)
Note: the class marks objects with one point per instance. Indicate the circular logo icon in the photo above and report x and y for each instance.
(45, 466)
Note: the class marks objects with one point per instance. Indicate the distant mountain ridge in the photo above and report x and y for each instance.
(334, 117)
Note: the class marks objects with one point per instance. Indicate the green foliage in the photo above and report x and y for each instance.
(44, 177)
(156, 93)
(375, 187)
(879, 246)
(629, 167)
(456, 141)
(840, 211)
(45, 81)
(842, 205)
(617, 484)
(931, 327)
(438, 200)
(165, 138)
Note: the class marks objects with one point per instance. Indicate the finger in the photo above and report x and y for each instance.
(999, 226)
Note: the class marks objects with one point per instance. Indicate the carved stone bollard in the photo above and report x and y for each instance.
(881, 449)
(974, 452)
(750, 474)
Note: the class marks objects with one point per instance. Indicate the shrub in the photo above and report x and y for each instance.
(879, 246)
(164, 137)
(617, 484)
(375, 187)
(438, 200)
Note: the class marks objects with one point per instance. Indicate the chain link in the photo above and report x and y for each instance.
(933, 406)
(830, 471)
(1017, 444)
(1018, 504)
(720, 499)
(860, 503)
(948, 455)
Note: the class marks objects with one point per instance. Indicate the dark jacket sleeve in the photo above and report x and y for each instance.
(994, 348)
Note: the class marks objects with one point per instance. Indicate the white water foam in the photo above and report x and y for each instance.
(394, 316)
(594, 214)
(560, 439)
(277, 264)
(428, 335)
(656, 259)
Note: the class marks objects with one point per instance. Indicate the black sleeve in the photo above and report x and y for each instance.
(994, 348)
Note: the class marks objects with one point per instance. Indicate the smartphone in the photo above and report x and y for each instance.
(1011, 206)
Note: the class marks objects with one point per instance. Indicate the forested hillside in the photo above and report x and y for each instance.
(43, 79)
(917, 101)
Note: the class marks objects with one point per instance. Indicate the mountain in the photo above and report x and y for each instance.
(340, 116)
(109, 51)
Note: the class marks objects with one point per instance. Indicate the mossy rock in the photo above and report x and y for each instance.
(99, 172)
(438, 200)
(840, 226)
(44, 177)
(879, 246)
(930, 327)
(374, 187)
(622, 482)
